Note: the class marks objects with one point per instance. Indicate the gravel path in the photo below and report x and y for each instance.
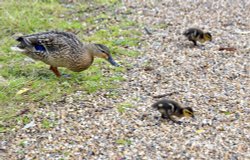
(215, 83)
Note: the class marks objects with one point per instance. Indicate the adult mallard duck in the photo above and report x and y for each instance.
(62, 49)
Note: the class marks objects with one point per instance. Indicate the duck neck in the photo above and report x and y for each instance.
(179, 112)
(91, 49)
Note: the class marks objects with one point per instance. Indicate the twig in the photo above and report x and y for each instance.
(227, 49)
(147, 31)
(164, 95)
(22, 112)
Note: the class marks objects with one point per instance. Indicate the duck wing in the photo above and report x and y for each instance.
(44, 41)
(44, 44)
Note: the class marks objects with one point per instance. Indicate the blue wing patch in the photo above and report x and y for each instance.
(40, 48)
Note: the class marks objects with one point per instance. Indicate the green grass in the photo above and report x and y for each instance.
(122, 107)
(47, 124)
(123, 142)
(28, 82)
(22, 143)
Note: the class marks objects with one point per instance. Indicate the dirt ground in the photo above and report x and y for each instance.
(216, 84)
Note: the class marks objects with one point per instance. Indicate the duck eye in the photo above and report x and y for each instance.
(188, 112)
(103, 51)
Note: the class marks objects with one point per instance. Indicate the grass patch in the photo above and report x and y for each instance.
(122, 107)
(23, 143)
(26, 81)
(46, 124)
(123, 142)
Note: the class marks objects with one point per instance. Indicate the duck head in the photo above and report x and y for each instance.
(102, 51)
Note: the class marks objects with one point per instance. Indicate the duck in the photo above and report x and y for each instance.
(195, 34)
(62, 49)
(170, 108)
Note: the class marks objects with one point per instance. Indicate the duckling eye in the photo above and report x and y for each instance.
(186, 112)
(190, 113)
(208, 36)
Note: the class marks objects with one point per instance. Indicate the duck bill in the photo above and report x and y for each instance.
(111, 61)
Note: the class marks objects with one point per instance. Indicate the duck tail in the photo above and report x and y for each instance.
(24, 42)
(17, 49)
(186, 33)
(22, 46)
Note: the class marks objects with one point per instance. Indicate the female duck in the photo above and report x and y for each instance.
(62, 49)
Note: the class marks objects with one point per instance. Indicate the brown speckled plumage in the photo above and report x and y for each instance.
(62, 49)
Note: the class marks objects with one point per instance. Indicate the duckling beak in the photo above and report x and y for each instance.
(111, 61)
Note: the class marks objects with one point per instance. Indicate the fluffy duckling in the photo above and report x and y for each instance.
(62, 49)
(194, 35)
(169, 108)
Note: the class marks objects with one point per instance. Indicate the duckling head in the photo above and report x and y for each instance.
(207, 36)
(188, 112)
(102, 51)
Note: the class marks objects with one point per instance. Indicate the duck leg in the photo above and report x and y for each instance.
(55, 71)
(195, 43)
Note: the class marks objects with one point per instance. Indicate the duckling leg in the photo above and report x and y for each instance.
(55, 71)
(163, 116)
(166, 116)
(172, 119)
(194, 42)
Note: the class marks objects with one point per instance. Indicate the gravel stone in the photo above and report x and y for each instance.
(214, 83)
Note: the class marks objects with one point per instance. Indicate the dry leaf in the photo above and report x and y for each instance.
(200, 131)
(23, 90)
(227, 49)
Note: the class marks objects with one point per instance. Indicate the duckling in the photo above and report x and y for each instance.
(194, 35)
(62, 49)
(169, 108)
